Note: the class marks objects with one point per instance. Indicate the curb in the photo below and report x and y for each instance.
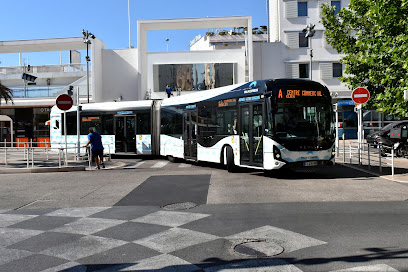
(42, 170)
(388, 177)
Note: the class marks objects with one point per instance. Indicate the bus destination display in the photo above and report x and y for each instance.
(298, 93)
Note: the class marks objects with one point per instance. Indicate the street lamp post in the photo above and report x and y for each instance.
(309, 30)
(87, 37)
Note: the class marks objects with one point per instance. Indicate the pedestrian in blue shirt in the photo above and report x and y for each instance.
(168, 91)
(95, 139)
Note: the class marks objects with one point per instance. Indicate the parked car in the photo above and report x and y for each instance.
(393, 135)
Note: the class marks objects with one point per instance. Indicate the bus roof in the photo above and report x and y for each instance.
(112, 106)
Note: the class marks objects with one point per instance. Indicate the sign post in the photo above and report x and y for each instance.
(336, 107)
(78, 124)
(360, 96)
(64, 102)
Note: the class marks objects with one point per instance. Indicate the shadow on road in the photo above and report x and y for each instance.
(215, 264)
(320, 172)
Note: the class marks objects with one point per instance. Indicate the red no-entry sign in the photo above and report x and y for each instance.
(360, 95)
(64, 102)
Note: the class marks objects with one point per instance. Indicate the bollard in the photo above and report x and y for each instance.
(89, 158)
(59, 158)
(358, 153)
(46, 148)
(5, 155)
(369, 162)
(344, 149)
(379, 152)
(392, 161)
(28, 157)
(32, 157)
(66, 157)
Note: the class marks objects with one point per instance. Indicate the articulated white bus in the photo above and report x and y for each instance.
(266, 124)
(124, 126)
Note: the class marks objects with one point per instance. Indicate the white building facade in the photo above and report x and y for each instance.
(136, 74)
(286, 20)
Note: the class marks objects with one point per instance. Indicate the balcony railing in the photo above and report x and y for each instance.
(58, 68)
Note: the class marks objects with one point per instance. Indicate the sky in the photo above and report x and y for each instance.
(108, 21)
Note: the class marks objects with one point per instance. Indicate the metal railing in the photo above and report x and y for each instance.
(27, 154)
(366, 154)
(51, 68)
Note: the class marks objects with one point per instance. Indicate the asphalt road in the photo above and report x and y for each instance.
(151, 215)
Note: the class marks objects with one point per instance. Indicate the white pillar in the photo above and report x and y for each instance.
(250, 53)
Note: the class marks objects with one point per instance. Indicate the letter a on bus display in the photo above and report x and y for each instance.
(280, 94)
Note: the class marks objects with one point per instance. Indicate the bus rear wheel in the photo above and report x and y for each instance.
(230, 159)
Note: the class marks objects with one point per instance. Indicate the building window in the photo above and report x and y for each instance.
(303, 41)
(337, 6)
(337, 69)
(193, 77)
(302, 8)
(303, 70)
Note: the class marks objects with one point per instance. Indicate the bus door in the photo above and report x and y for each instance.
(190, 132)
(125, 133)
(251, 134)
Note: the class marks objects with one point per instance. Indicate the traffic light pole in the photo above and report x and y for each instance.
(78, 124)
(87, 37)
(309, 33)
(87, 70)
(25, 82)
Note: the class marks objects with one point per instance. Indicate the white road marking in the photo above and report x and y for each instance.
(370, 268)
(160, 164)
(175, 239)
(170, 218)
(162, 262)
(135, 166)
(258, 265)
(184, 165)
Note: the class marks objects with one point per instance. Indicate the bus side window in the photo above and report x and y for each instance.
(56, 124)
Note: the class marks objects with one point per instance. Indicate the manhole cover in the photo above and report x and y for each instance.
(179, 206)
(259, 249)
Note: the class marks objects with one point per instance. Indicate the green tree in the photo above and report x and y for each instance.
(5, 93)
(373, 36)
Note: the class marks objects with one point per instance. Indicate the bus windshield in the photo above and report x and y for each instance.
(304, 120)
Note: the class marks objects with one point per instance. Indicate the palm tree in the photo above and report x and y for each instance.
(5, 93)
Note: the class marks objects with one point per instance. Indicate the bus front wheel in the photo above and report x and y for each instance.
(230, 159)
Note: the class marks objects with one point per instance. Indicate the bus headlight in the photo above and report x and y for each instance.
(276, 153)
(333, 153)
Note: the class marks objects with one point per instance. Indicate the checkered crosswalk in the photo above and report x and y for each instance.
(156, 164)
(108, 239)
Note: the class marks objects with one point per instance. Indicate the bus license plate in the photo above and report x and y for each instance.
(310, 163)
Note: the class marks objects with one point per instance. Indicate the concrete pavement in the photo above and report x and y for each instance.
(118, 220)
